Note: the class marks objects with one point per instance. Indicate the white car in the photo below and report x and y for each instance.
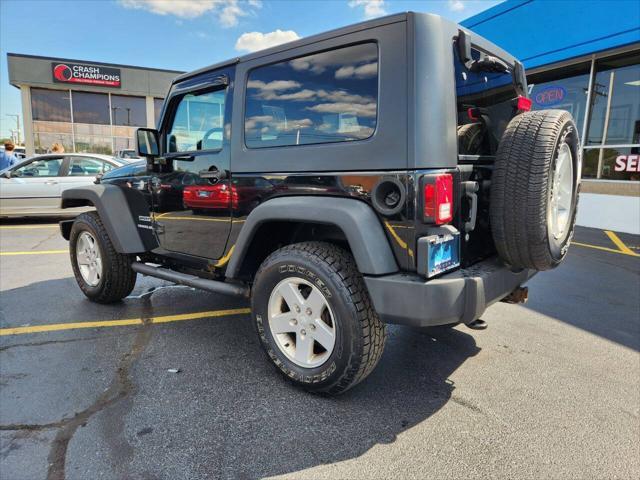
(34, 187)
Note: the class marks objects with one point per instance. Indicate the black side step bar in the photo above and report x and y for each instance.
(191, 280)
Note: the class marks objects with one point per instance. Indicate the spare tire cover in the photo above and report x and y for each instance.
(534, 189)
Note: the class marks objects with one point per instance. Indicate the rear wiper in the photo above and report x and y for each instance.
(487, 63)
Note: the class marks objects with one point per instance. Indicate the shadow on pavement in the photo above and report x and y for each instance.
(250, 423)
(592, 290)
(228, 413)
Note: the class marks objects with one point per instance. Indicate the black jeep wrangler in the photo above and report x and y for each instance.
(386, 172)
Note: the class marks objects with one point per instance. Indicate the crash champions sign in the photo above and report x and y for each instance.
(85, 74)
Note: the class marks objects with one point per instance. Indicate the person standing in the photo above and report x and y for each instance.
(7, 157)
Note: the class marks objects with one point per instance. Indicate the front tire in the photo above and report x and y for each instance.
(103, 274)
(315, 319)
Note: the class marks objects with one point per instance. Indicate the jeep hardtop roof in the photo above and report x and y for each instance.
(356, 27)
(417, 106)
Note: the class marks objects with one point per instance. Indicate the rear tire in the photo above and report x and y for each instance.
(534, 189)
(103, 274)
(322, 274)
(470, 138)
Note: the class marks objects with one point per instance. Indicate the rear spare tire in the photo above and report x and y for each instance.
(534, 189)
(470, 138)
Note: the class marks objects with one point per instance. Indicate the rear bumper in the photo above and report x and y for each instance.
(458, 297)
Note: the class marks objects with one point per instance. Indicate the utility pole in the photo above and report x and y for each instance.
(17, 124)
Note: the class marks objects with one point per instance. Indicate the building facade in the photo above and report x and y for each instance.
(584, 57)
(85, 106)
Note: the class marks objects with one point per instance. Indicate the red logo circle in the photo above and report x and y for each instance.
(62, 72)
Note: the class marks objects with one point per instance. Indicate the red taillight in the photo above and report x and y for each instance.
(524, 104)
(438, 198)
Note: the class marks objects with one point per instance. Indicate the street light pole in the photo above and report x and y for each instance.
(17, 123)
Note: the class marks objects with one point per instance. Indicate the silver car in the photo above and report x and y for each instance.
(33, 187)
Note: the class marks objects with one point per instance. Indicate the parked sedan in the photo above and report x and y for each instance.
(34, 187)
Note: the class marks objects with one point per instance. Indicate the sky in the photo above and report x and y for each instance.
(179, 34)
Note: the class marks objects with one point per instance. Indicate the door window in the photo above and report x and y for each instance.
(198, 123)
(86, 167)
(39, 168)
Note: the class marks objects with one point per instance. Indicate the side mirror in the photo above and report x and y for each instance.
(6, 174)
(147, 142)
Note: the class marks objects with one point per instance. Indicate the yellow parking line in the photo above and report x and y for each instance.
(623, 248)
(597, 247)
(34, 252)
(15, 227)
(121, 323)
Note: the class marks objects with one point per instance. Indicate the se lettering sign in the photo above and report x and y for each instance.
(627, 163)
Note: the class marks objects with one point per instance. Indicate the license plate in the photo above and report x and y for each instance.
(203, 194)
(443, 253)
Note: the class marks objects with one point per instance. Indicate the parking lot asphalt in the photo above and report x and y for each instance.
(550, 390)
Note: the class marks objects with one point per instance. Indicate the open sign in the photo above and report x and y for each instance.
(551, 95)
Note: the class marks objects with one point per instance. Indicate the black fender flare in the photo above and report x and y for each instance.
(356, 219)
(123, 211)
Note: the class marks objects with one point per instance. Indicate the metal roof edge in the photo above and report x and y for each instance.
(103, 64)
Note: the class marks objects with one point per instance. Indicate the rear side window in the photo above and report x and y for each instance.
(321, 98)
(491, 95)
(86, 167)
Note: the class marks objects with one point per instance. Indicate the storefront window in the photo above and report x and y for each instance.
(52, 127)
(90, 129)
(124, 143)
(157, 108)
(618, 163)
(565, 89)
(617, 92)
(89, 144)
(124, 131)
(91, 108)
(50, 105)
(43, 141)
(129, 111)
(613, 139)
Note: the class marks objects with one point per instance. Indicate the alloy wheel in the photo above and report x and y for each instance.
(301, 322)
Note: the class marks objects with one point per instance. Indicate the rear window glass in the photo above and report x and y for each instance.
(325, 97)
(491, 94)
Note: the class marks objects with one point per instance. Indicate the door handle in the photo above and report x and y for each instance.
(213, 174)
(50, 182)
